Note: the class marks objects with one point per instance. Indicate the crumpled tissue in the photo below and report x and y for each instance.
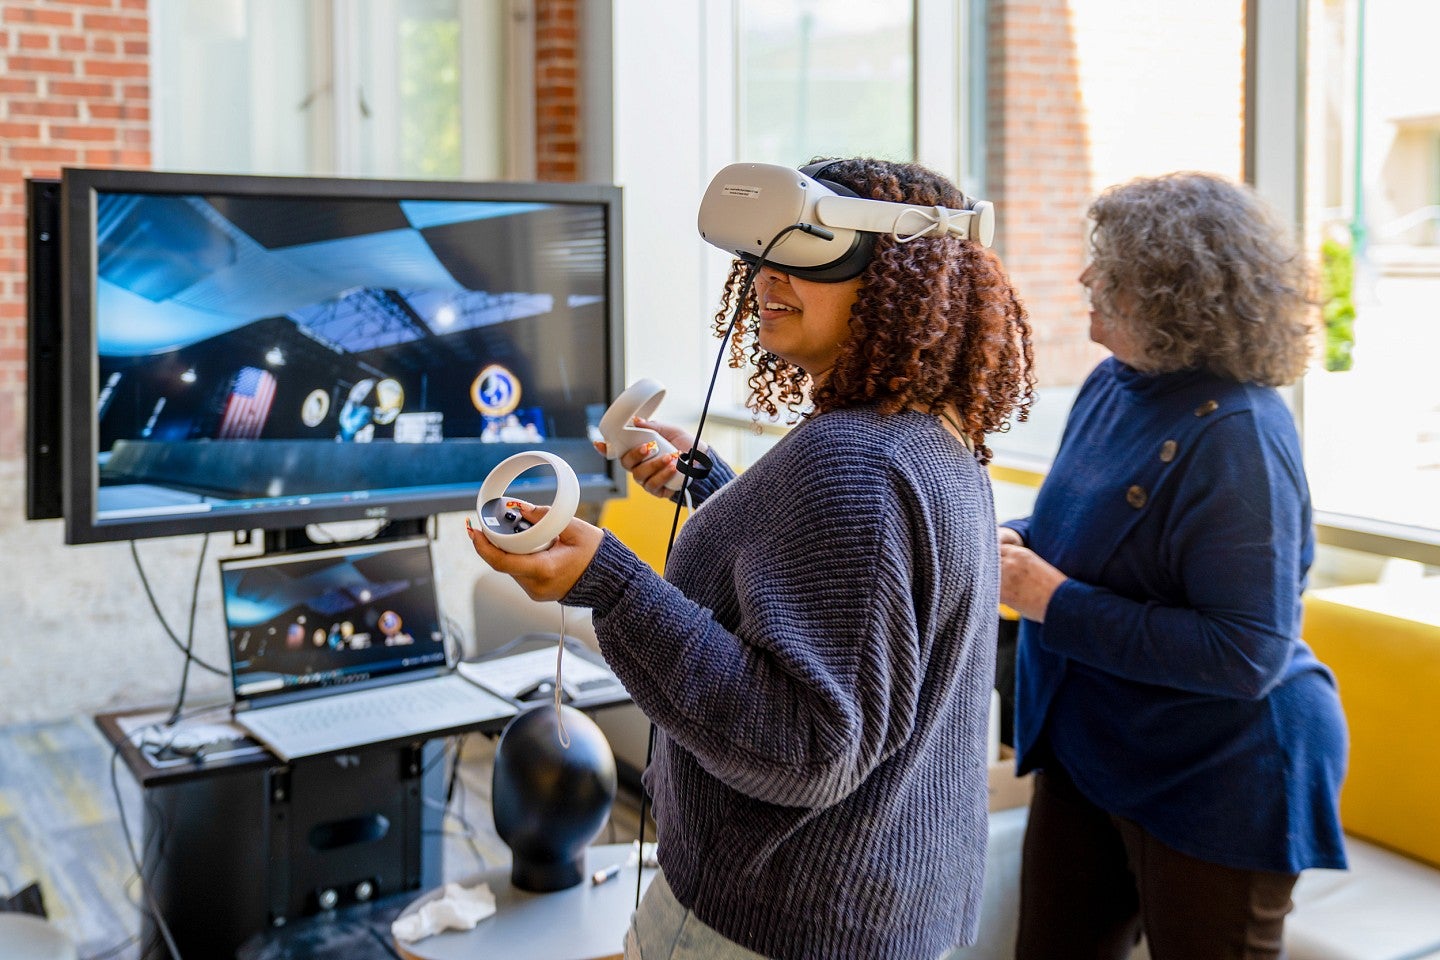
(649, 854)
(457, 908)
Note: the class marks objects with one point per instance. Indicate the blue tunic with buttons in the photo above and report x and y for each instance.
(1169, 678)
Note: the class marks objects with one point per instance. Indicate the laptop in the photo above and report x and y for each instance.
(342, 647)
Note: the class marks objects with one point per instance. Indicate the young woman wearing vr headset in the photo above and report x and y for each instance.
(819, 657)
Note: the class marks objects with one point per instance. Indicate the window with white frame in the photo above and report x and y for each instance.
(895, 79)
(386, 88)
(833, 78)
(1371, 407)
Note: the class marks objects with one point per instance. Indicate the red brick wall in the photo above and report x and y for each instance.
(74, 91)
(1039, 176)
(557, 90)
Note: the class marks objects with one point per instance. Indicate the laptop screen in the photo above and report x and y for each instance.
(363, 613)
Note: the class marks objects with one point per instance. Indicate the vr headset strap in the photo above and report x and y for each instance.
(906, 220)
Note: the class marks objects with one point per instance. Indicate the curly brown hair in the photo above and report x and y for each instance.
(1201, 274)
(936, 323)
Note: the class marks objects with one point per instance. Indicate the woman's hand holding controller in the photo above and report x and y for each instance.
(654, 471)
(551, 573)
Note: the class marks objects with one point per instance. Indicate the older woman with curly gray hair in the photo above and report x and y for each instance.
(1189, 747)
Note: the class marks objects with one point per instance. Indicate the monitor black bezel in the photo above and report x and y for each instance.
(44, 417)
(80, 360)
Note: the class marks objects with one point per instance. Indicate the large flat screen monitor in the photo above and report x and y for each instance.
(268, 352)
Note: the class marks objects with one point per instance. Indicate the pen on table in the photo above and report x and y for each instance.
(609, 873)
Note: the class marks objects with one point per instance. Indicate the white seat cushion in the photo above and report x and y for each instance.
(23, 937)
(1385, 907)
(1000, 910)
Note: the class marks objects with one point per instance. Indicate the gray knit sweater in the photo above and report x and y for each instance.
(819, 667)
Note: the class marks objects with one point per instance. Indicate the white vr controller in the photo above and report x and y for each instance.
(500, 518)
(641, 399)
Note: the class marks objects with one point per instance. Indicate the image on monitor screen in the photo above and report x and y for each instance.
(299, 622)
(266, 352)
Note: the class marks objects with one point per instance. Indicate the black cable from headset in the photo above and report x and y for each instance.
(694, 452)
(682, 496)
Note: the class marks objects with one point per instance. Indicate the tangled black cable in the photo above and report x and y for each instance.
(189, 633)
(151, 905)
(154, 605)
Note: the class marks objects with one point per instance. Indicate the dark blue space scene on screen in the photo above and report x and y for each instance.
(259, 352)
(341, 615)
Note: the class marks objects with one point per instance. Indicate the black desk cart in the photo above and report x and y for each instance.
(233, 847)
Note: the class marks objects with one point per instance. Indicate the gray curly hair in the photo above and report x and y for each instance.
(1208, 276)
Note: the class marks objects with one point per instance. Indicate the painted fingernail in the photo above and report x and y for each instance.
(651, 446)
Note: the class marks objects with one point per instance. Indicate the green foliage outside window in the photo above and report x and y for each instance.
(1337, 282)
(430, 91)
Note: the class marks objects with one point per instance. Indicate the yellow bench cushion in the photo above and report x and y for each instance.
(1388, 668)
(642, 523)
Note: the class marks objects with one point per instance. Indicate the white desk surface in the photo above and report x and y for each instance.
(584, 922)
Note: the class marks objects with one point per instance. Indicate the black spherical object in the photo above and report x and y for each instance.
(550, 800)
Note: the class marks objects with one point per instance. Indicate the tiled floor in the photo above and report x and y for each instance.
(60, 826)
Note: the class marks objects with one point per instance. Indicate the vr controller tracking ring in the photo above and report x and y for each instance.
(641, 399)
(500, 517)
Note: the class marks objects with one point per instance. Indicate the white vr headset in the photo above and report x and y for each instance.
(829, 232)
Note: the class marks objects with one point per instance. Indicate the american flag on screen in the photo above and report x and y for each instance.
(248, 404)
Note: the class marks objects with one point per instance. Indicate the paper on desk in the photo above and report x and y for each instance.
(457, 908)
(509, 676)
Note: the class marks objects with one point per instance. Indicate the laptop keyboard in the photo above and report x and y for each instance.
(356, 718)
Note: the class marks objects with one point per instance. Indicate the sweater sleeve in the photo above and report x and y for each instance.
(819, 682)
(1234, 544)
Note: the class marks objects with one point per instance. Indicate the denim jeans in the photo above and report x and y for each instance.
(662, 929)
